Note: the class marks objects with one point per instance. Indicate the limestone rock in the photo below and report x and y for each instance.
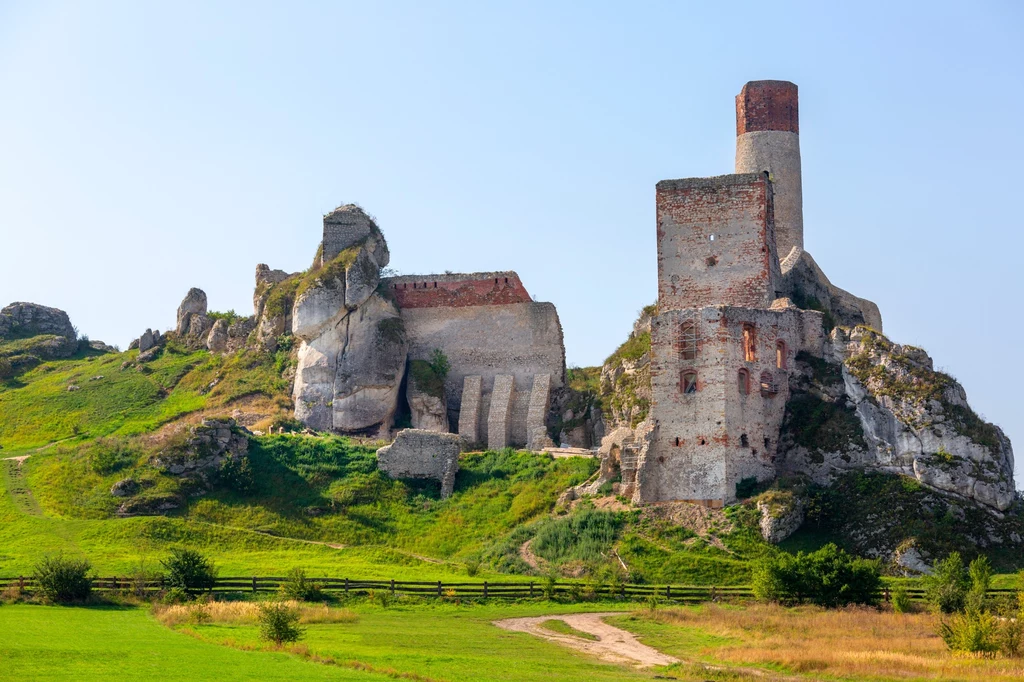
(423, 454)
(217, 339)
(25, 320)
(206, 448)
(146, 341)
(194, 303)
(429, 412)
(348, 226)
(782, 513)
(899, 416)
(126, 487)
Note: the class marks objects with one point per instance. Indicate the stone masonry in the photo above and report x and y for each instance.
(469, 416)
(422, 454)
(536, 418)
(500, 414)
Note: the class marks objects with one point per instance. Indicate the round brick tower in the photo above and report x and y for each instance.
(768, 139)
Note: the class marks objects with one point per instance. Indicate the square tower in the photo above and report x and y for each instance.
(716, 242)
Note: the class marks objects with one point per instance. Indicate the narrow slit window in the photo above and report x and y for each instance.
(689, 381)
(748, 343)
(688, 340)
(780, 354)
(744, 441)
(743, 382)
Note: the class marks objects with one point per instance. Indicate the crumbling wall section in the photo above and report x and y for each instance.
(422, 454)
(457, 290)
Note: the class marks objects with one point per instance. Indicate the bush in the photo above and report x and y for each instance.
(946, 589)
(236, 474)
(190, 571)
(298, 587)
(900, 600)
(828, 577)
(973, 631)
(279, 623)
(472, 567)
(63, 580)
(110, 455)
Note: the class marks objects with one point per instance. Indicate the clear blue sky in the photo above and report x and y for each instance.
(147, 149)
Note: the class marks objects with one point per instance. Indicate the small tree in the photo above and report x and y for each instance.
(300, 588)
(946, 589)
(279, 623)
(189, 570)
(828, 577)
(63, 580)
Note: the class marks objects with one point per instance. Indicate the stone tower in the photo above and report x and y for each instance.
(768, 139)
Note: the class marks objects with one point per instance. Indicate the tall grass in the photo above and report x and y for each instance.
(247, 613)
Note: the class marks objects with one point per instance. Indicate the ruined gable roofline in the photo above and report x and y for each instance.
(712, 181)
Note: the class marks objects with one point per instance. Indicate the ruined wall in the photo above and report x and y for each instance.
(706, 441)
(456, 291)
(768, 139)
(422, 454)
(520, 340)
(716, 242)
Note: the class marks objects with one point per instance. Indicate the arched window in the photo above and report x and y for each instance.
(748, 343)
(768, 387)
(780, 354)
(688, 382)
(688, 340)
(743, 381)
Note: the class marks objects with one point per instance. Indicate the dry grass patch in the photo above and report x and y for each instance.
(857, 642)
(245, 613)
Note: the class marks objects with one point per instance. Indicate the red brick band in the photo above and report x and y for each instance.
(767, 105)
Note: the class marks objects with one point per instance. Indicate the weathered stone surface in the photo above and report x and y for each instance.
(363, 276)
(58, 338)
(217, 339)
(146, 341)
(126, 487)
(423, 454)
(194, 303)
(469, 415)
(807, 286)
(536, 418)
(907, 419)
(345, 227)
(429, 411)
(206, 448)
(781, 515)
(501, 412)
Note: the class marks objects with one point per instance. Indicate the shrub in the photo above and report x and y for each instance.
(300, 588)
(973, 631)
(828, 577)
(900, 600)
(279, 623)
(63, 580)
(946, 589)
(110, 455)
(472, 567)
(190, 571)
(236, 474)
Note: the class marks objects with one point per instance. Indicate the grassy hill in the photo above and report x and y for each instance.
(316, 502)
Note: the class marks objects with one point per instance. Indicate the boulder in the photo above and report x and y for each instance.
(145, 342)
(429, 412)
(217, 340)
(423, 454)
(782, 513)
(126, 487)
(194, 303)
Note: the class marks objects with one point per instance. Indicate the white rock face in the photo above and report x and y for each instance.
(429, 412)
(352, 358)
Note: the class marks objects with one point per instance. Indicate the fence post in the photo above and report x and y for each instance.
(438, 588)
(254, 584)
(531, 589)
(346, 585)
(668, 591)
(21, 583)
(392, 587)
(485, 589)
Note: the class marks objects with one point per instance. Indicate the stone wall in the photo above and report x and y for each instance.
(422, 454)
(457, 290)
(519, 340)
(727, 429)
(716, 243)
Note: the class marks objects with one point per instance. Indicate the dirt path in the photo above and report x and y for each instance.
(17, 485)
(614, 645)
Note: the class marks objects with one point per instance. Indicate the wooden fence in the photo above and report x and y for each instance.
(469, 590)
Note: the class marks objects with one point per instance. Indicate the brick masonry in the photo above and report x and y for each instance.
(767, 105)
(456, 291)
(716, 242)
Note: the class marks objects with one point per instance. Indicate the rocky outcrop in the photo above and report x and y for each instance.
(808, 287)
(205, 449)
(423, 454)
(193, 305)
(353, 353)
(49, 329)
(781, 514)
(876, 405)
(217, 339)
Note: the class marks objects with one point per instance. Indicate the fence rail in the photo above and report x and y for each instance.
(480, 590)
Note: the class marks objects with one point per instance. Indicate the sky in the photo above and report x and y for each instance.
(146, 148)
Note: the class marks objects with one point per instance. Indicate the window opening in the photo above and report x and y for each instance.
(677, 441)
(689, 381)
(767, 443)
(780, 354)
(688, 340)
(748, 342)
(768, 387)
(744, 442)
(743, 381)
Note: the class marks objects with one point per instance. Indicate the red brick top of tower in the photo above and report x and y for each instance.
(767, 105)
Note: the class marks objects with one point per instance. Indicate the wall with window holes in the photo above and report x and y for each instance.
(707, 440)
(716, 243)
